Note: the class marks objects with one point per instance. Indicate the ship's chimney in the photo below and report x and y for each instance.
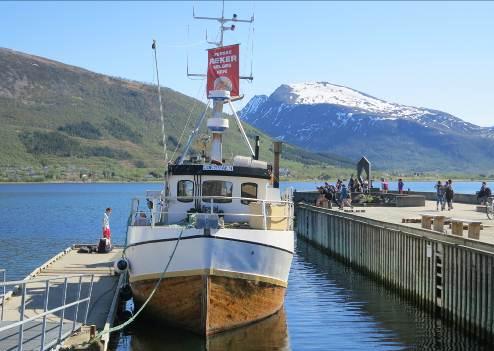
(276, 163)
(256, 151)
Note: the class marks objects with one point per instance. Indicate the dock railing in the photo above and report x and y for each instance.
(4, 291)
(43, 287)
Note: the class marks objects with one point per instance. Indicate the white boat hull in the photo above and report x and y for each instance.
(214, 282)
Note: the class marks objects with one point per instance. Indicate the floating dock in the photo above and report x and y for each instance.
(54, 302)
(451, 276)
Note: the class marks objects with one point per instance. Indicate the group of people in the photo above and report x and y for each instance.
(340, 193)
(357, 185)
(337, 193)
(444, 195)
(385, 186)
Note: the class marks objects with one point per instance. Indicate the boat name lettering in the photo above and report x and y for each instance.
(226, 59)
(228, 168)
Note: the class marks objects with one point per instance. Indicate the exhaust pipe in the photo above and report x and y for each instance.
(256, 155)
(276, 163)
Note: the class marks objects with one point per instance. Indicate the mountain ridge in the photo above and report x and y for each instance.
(59, 117)
(324, 116)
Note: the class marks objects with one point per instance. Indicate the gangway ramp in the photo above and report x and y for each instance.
(52, 302)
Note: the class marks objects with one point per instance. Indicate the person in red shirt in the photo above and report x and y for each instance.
(106, 223)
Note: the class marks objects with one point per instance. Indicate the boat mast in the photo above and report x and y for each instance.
(216, 123)
(163, 135)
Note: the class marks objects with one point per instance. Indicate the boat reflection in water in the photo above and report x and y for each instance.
(268, 334)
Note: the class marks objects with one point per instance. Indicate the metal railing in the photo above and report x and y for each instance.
(47, 285)
(214, 208)
(4, 293)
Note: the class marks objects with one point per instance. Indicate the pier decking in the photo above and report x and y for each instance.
(460, 210)
(79, 275)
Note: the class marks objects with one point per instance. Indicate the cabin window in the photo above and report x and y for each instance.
(217, 188)
(248, 190)
(185, 188)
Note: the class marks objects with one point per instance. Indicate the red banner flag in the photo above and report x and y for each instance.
(223, 71)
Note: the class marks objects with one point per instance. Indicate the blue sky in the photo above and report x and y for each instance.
(432, 54)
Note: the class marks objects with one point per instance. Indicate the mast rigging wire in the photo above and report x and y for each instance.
(194, 105)
(165, 151)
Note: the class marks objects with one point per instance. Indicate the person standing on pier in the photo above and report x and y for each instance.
(365, 186)
(384, 186)
(400, 186)
(449, 193)
(351, 184)
(345, 197)
(106, 224)
(338, 185)
(439, 195)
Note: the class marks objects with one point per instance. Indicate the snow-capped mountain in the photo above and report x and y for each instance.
(326, 117)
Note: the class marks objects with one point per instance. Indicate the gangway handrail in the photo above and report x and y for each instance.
(4, 278)
(39, 280)
(22, 321)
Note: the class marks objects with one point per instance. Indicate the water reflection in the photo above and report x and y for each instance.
(372, 315)
(268, 334)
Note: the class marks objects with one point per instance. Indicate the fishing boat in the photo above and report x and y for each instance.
(212, 251)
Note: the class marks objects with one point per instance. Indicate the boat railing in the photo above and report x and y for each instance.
(35, 295)
(217, 206)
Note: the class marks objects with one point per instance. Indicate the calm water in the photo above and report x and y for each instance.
(328, 307)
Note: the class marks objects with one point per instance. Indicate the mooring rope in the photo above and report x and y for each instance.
(131, 319)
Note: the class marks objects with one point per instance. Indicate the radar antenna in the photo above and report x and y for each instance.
(220, 96)
(222, 20)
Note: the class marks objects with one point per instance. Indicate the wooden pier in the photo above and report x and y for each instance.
(451, 276)
(65, 279)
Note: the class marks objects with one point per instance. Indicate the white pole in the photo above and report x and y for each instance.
(239, 124)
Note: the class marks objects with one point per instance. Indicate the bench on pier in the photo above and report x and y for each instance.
(427, 220)
(481, 208)
(472, 225)
(411, 220)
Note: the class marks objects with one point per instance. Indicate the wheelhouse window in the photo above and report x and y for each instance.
(248, 190)
(185, 188)
(217, 188)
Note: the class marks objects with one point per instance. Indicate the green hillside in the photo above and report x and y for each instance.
(61, 122)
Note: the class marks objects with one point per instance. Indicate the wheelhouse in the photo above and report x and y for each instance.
(229, 194)
(223, 189)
